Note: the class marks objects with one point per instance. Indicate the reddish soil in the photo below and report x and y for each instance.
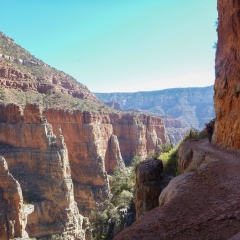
(207, 207)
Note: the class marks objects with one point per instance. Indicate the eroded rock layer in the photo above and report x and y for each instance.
(227, 83)
(38, 160)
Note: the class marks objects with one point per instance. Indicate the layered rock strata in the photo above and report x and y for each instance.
(38, 160)
(99, 142)
(148, 185)
(227, 70)
(11, 77)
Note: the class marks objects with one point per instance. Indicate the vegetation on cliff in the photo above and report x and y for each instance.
(111, 215)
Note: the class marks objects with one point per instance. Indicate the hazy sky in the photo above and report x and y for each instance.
(119, 45)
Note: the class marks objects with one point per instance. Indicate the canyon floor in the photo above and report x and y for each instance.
(206, 204)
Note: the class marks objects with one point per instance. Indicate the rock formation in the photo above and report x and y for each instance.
(97, 137)
(38, 160)
(11, 205)
(13, 78)
(226, 88)
(99, 142)
(113, 155)
(148, 185)
(189, 158)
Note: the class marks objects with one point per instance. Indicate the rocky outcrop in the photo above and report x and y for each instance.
(99, 142)
(189, 158)
(11, 205)
(226, 88)
(13, 78)
(200, 204)
(113, 155)
(148, 185)
(38, 160)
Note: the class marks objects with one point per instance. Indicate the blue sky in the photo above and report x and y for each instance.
(119, 45)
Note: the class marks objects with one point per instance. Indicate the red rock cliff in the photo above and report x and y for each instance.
(11, 205)
(99, 142)
(227, 83)
(38, 160)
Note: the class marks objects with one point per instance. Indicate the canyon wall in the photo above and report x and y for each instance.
(179, 108)
(227, 70)
(38, 160)
(98, 142)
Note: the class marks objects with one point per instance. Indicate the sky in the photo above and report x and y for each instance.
(119, 45)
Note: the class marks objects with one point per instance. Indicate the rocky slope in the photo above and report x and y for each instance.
(227, 88)
(180, 108)
(202, 203)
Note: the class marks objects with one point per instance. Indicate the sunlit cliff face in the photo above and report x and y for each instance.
(227, 84)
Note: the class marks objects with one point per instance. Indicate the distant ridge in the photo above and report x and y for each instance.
(192, 106)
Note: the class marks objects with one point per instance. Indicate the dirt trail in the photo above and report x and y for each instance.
(207, 205)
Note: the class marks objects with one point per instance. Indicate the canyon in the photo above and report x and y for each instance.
(202, 202)
(58, 144)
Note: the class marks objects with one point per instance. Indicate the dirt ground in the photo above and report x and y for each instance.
(207, 207)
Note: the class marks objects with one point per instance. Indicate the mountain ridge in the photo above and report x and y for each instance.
(169, 102)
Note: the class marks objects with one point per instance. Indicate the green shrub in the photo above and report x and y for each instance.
(166, 147)
(170, 161)
(123, 181)
(191, 134)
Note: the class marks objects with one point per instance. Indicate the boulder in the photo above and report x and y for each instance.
(148, 185)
